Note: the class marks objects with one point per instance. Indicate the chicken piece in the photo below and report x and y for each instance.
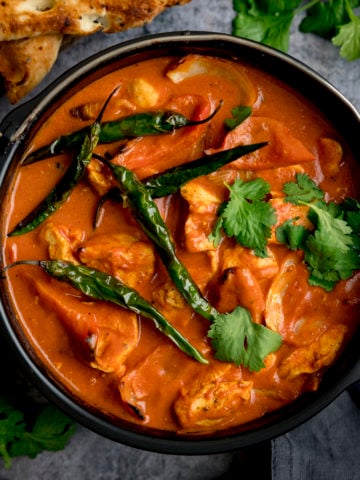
(213, 397)
(140, 389)
(193, 65)
(277, 177)
(169, 301)
(25, 62)
(314, 357)
(204, 201)
(100, 177)
(63, 241)
(105, 334)
(297, 311)
(238, 256)
(120, 107)
(244, 279)
(149, 155)
(283, 148)
(331, 153)
(142, 93)
(125, 256)
(168, 295)
(287, 211)
(240, 287)
(86, 111)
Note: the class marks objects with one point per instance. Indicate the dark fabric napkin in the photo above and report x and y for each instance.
(327, 447)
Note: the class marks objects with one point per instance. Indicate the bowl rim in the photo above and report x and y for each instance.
(15, 128)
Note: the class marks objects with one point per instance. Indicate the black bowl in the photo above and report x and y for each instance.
(17, 130)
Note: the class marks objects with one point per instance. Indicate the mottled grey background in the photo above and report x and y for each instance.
(327, 447)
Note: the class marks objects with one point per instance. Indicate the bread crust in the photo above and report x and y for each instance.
(24, 63)
(29, 18)
(32, 32)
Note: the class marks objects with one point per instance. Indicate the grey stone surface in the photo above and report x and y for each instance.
(89, 456)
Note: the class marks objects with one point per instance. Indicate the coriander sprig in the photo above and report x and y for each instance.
(269, 22)
(236, 338)
(332, 248)
(246, 216)
(21, 436)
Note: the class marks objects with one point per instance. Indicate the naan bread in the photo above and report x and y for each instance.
(24, 63)
(27, 18)
(32, 31)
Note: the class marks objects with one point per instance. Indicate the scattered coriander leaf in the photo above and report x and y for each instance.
(51, 431)
(236, 338)
(323, 18)
(20, 435)
(348, 38)
(304, 189)
(265, 22)
(12, 426)
(239, 114)
(269, 22)
(246, 216)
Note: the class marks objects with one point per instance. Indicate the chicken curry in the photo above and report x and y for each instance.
(183, 236)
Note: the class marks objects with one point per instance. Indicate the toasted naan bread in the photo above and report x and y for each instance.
(27, 18)
(24, 63)
(31, 32)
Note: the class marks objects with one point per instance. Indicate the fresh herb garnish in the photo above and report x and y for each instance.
(269, 22)
(239, 114)
(19, 436)
(265, 22)
(246, 216)
(303, 190)
(332, 248)
(236, 338)
(348, 36)
(291, 234)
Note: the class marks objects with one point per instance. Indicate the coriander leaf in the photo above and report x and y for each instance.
(268, 25)
(12, 426)
(323, 18)
(237, 339)
(239, 114)
(332, 228)
(269, 22)
(348, 38)
(292, 235)
(303, 190)
(215, 236)
(20, 436)
(246, 216)
(332, 250)
(51, 431)
(351, 210)
(276, 6)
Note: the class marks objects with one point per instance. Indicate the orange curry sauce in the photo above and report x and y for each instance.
(114, 360)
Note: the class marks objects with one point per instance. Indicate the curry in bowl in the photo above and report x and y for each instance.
(182, 247)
